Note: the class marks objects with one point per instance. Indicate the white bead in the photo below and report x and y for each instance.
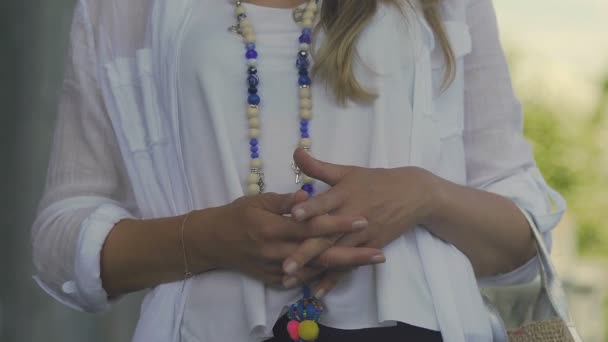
(306, 103)
(252, 62)
(305, 114)
(309, 180)
(256, 163)
(253, 189)
(250, 38)
(304, 47)
(244, 23)
(240, 10)
(247, 31)
(254, 123)
(253, 178)
(307, 23)
(253, 112)
(305, 143)
(304, 93)
(312, 6)
(308, 15)
(254, 133)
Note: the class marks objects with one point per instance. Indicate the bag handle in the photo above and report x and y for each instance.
(551, 285)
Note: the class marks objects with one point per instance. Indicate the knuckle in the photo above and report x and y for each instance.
(325, 242)
(268, 253)
(266, 231)
(324, 261)
(318, 225)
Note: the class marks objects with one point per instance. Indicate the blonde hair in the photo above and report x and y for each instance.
(343, 21)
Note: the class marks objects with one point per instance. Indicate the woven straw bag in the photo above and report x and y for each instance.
(536, 312)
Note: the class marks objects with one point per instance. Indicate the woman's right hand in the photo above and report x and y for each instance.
(254, 235)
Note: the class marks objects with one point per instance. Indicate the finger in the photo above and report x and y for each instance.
(331, 256)
(308, 250)
(300, 196)
(356, 239)
(318, 205)
(323, 171)
(328, 282)
(320, 226)
(305, 275)
(278, 203)
(347, 257)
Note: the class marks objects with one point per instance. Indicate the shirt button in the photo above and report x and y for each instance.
(69, 287)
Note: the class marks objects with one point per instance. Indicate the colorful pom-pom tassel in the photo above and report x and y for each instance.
(309, 330)
(293, 330)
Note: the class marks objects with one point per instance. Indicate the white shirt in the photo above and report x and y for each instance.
(152, 124)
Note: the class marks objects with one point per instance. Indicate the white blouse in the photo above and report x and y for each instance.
(152, 124)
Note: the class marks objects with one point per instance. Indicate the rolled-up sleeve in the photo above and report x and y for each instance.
(87, 191)
(498, 157)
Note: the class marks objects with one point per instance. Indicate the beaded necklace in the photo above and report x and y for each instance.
(306, 312)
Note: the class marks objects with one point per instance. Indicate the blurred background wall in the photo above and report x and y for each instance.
(33, 36)
(558, 51)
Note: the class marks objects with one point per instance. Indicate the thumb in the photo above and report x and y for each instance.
(323, 171)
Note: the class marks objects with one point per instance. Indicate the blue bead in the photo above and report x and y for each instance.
(304, 38)
(306, 291)
(254, 149)
(304, 130)
(255, 155)
(308, 188)
(253, 99)
(303, 72)
(304, 80)
(310, 312)
(307, 31)
(302, 63)
(305, 135)
(253, 142)
(251, 54)
(304, 122)
(253, 90)
(250, 46)
(253, 81)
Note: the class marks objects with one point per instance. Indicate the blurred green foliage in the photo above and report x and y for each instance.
(571, 151)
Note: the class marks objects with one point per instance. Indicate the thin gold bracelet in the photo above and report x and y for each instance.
(187, 273)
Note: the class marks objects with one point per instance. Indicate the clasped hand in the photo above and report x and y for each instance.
(325, 235)
(392, 201)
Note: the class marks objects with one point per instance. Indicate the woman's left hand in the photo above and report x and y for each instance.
(393, 201)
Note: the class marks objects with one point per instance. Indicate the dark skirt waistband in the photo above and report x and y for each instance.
(400, 333)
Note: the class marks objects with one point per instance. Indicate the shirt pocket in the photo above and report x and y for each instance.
(449, 98)
(134, 96)
(142, 131)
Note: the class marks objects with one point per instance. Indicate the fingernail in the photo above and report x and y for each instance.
(360, 224)
(320, 294)
(290, 282)
(299, 214)
(378, 259)
(290, 267)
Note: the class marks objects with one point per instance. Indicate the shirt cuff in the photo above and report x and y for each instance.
(87, 284)
(85, 292)
(543, 208)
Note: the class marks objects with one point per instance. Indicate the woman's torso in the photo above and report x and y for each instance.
(193, 153)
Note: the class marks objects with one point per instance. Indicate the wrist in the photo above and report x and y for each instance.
(198, 241)
(434, 194)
